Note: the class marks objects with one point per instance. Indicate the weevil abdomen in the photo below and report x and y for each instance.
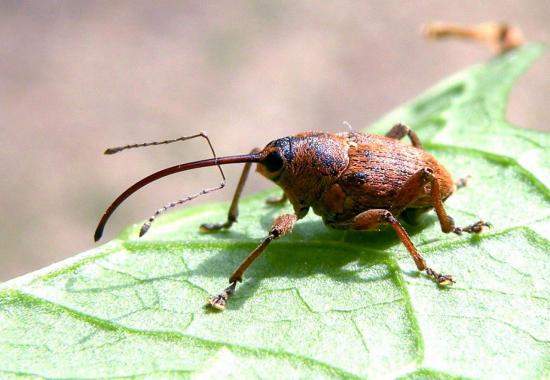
(378, 168)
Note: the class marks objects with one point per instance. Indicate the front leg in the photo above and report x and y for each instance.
(280, 227)
(234, 208)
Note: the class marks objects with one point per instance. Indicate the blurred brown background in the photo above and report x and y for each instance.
(79, 76)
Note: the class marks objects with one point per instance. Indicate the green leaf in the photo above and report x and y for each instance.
(319, 303)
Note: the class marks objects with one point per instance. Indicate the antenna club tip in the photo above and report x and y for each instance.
(97, 235)
(144, 229)
(111, 150)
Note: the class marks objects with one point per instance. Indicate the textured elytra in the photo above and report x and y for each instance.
(319, 303)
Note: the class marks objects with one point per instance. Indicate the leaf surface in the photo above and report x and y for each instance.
(319, 303)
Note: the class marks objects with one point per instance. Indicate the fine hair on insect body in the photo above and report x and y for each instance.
(352, 180)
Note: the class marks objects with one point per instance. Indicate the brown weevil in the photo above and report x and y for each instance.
(352, 180)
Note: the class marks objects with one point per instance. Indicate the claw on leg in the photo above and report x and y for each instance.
(440, 279)
(475, 228)
(219, 301)
(280, 227)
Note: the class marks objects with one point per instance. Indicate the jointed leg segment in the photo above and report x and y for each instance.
(399, 131)
(413, 188)
(411, 191)
(234, 208)
(373, 218)
(281, 226)
(447, 223)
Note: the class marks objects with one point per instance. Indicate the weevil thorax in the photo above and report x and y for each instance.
(304, 165)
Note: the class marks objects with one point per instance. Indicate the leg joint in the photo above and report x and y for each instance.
(404, 127)
(427, 175)
(388, 217)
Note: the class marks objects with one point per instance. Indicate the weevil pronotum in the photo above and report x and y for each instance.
(352, 180)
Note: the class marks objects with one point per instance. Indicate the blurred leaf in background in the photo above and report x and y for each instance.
(319, 303)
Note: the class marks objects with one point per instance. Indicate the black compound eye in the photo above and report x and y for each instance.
(273, 162)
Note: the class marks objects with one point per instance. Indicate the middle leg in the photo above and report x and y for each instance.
(233, 212)
(372, 219)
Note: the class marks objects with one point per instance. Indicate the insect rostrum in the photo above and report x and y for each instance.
(351, 180)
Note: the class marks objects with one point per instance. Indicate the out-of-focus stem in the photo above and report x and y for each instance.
(499, 36)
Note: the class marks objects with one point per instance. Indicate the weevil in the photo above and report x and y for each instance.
(352, 180)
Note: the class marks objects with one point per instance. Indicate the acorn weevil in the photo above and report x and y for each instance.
(352, 180)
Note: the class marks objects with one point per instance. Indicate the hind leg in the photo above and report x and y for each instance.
(399, 131)
(414, 188)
